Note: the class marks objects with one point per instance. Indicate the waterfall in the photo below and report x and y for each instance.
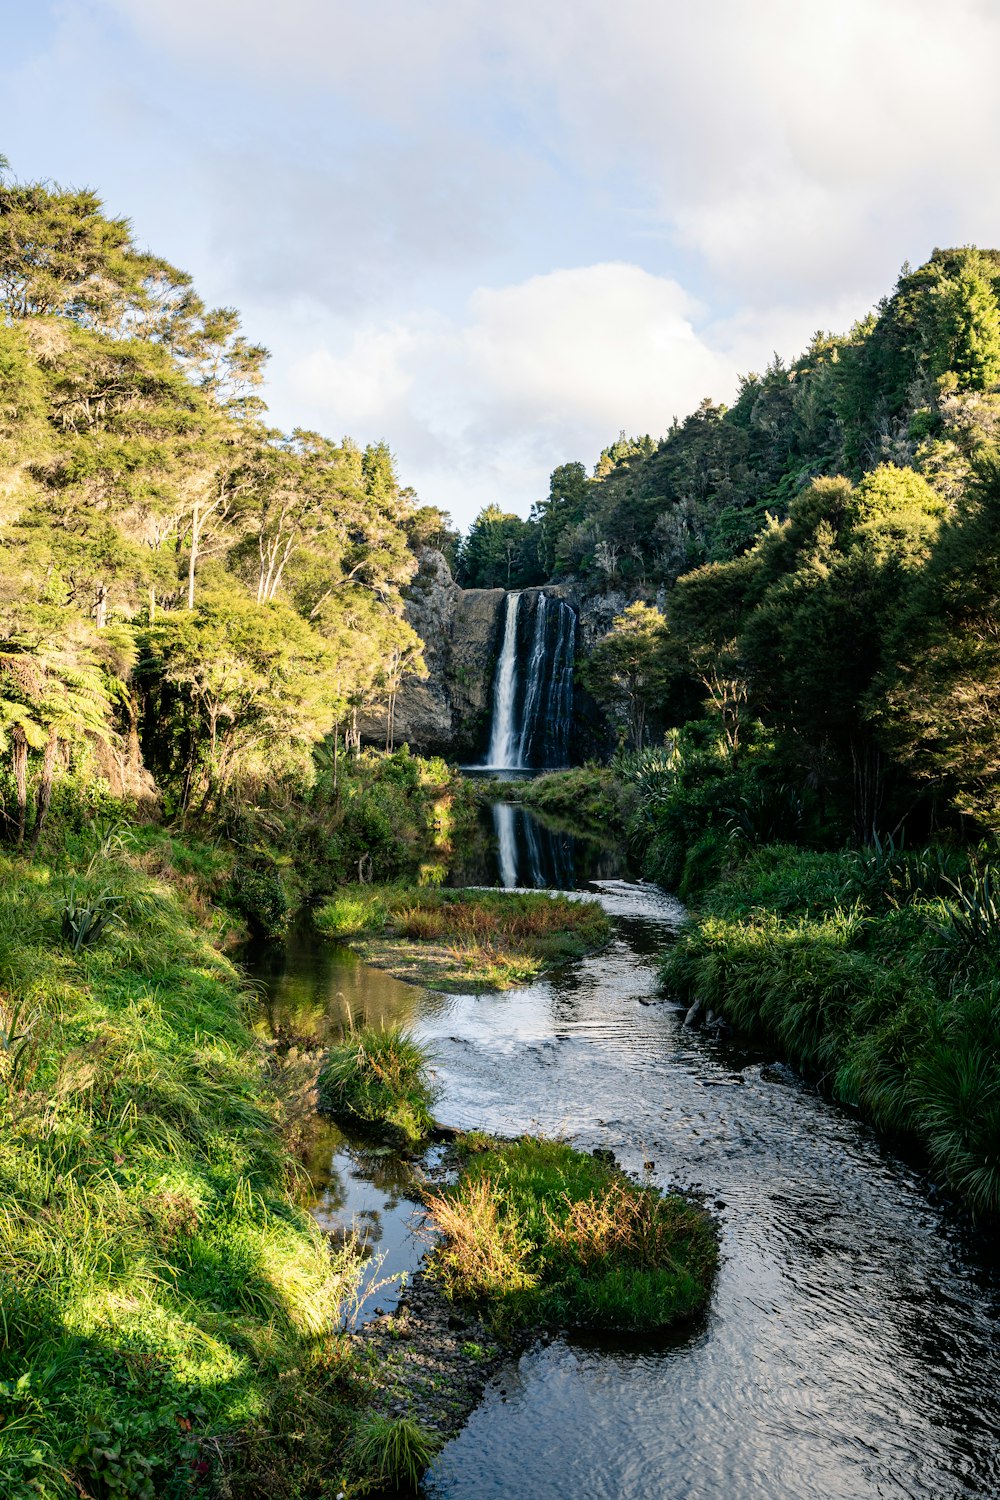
(504, 745)
(533, 683)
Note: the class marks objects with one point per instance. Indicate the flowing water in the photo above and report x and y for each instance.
(851, 1348)
(533, 683)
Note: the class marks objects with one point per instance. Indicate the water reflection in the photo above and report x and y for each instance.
(519, 850)
(364, 1192)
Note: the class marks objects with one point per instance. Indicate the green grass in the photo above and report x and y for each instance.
(377, 1078)
(460, 939)
(546, 1236)
(393, 1452)
(168, 1314)
(886, 993)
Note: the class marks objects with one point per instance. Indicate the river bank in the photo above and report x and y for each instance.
(171, 1311)
(829, 1244)
(872, 970)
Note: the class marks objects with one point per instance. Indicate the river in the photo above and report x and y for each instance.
(851, 1348)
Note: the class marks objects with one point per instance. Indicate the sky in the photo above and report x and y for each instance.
(495, 235)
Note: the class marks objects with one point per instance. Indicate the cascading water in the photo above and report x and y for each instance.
(533, 684)
(504, 741)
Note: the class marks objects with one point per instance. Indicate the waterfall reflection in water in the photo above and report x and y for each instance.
(851, 1348)
(531, 854)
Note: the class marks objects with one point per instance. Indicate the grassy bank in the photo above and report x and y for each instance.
(546, 1236)
(462, 940)
(590, 800)
(875, 972)
(169, 1314)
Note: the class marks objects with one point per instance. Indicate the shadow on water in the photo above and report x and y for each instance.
(851, 1347)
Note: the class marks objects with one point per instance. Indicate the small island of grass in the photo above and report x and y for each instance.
(376, 1078)
(543, 1235)
(462, 939)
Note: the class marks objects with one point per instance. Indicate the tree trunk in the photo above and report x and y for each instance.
(19, 759)
(45, 786)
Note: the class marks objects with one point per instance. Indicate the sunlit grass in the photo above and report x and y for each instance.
(463, 939)
(159, 1290)
(546, 1235)
(377, 1077)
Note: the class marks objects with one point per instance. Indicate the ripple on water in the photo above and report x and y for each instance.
(851, 1348)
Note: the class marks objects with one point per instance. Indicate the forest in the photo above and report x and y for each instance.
(201, 617)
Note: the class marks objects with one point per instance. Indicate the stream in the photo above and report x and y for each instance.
(851, 1347)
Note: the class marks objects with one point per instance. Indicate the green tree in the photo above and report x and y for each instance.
(938, 700)
(630, 669)
(500, 551)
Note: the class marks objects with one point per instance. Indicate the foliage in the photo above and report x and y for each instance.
(885, 992)
(500, 550)
(589, 797)
(630, 669)
(85, 919)
(547, 1236)
(151, 513)
(463, 939)
(378, 1077)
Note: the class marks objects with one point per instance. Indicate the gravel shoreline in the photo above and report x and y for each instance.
(433, 1358)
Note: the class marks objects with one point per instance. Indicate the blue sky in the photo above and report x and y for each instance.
(495, 235)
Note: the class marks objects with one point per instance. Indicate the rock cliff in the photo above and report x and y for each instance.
(448, 713)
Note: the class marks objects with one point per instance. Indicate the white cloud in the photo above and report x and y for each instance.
(783, 138)
(535, 373)
(384, 188)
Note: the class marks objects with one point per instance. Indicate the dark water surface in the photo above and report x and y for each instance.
(851, 1349)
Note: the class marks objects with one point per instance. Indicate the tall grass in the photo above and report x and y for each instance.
(160, 1293)
(875, 973)
(546, 1235)
(378, 1077)
(393, 1452)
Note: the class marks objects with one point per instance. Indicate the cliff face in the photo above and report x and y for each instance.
(448, 713)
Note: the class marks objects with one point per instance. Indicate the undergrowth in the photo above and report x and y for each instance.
(592, 799)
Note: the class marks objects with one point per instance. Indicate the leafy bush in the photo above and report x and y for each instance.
(258, 894)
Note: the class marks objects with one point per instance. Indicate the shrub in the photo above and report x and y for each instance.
(258, 895)
(377, 1077)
